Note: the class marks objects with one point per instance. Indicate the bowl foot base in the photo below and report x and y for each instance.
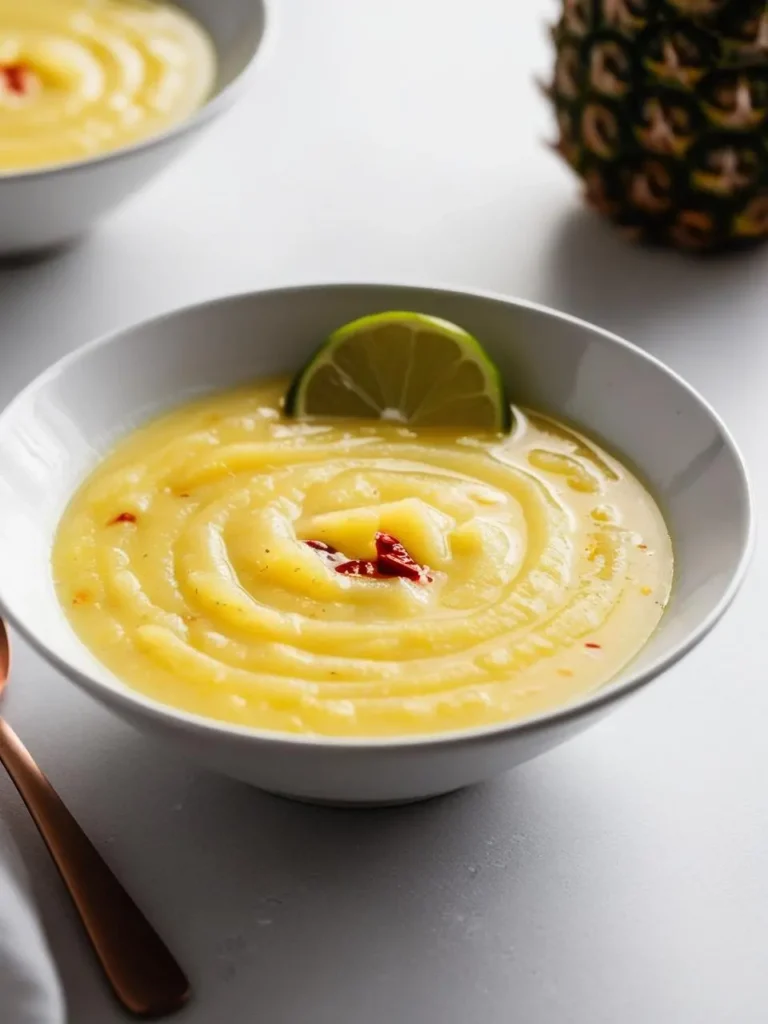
(362, 805)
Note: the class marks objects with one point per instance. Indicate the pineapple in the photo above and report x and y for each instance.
(662, 110)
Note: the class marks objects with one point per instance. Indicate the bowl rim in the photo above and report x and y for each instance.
(168, 715)
(211, 108)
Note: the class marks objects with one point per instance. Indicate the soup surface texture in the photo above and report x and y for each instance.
(81, 77)
(183, 565)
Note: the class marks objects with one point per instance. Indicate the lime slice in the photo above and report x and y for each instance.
(405, 367)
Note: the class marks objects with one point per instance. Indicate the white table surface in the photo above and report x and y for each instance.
(622, 879)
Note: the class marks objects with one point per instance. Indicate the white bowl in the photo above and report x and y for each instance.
(48, 207)
(54, 431)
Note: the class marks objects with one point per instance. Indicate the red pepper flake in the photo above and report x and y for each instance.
(642, 547)
(16, 78)
(81, 597)
(320, 545)
(124, 517)
(595, 647)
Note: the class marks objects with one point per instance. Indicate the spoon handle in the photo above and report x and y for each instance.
(141, 970)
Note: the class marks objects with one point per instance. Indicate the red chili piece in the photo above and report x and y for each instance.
(392, 560)
(320, 545)
(594, 646)
(124, 517)
(16, 78)
(360, 567)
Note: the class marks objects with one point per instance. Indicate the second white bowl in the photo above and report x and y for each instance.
(43, 209)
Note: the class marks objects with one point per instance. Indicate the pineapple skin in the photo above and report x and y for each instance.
(662, 110)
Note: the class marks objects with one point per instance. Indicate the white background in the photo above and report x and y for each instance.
(620, 880)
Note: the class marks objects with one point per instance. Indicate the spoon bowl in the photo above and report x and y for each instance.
(5, 657)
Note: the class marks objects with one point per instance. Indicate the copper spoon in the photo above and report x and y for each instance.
(145, 977)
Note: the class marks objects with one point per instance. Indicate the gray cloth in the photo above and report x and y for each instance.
(30, 991)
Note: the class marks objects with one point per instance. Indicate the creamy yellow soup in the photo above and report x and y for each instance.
(81, 77)
(183, 565)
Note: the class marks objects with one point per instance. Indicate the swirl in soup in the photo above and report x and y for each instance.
(360, 579)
